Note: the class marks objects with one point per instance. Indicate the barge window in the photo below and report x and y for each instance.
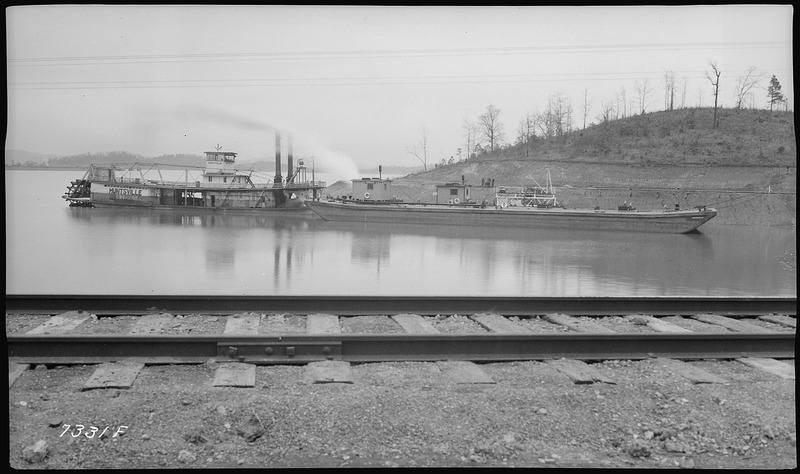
(209, 179)
(454, 192)
(370, 186)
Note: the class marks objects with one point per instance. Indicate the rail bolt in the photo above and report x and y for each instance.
(268, 351)
(326, 351)
(290, 351)
(232, 351)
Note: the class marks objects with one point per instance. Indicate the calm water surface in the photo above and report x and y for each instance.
(54, 249)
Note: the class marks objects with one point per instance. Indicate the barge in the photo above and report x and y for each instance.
(528, 207)
(220, 187)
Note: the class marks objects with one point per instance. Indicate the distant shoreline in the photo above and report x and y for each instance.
(45, 168)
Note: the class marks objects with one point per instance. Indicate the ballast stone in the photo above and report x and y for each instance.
(36, 452)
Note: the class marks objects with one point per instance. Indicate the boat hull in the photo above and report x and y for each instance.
(113, 194)
(673, 222)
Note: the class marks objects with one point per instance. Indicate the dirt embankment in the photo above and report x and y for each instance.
(743, 195)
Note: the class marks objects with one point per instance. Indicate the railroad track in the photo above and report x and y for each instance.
(249, 351)
(733, 330)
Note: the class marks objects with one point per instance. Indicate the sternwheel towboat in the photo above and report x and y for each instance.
(220, 187)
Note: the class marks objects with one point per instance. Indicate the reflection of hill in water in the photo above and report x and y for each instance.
(192, 218)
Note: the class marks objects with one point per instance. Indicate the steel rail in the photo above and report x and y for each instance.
(424, 305)
(266, 350)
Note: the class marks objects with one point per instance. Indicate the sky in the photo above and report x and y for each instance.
(359, 86)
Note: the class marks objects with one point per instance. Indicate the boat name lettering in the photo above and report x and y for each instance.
(125, 191)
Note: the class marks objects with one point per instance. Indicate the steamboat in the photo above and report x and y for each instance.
(220, 186)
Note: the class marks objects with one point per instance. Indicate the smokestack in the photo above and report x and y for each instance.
(290, 170)
(278, 177)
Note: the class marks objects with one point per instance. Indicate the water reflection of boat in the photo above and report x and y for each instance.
(189, 218)
(543, 261)
(382, 230)
(531, 207)
(220, 187)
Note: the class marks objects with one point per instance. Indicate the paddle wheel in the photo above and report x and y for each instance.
(79, 193)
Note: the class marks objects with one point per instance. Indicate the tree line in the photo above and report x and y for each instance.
(557, 119)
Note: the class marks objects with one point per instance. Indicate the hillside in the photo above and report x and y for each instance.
(654, 160)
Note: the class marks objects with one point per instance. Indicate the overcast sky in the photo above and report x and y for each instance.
(356, 85)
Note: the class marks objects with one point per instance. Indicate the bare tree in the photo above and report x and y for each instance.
(715, 83)
(745, 83)
(471, 134)
(556, 121)
(586, 106)
(422, 155)
(669, 90)
(606, 112)
(490, 126)
(526, 131)
(643, 89)
(683, 92)
(622, 103)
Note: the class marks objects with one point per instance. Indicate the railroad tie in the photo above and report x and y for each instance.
(114, 375)
(577, 324)
(244, 323)
(660, 325)
(14, 372)
(775, 367)
(694, 374)
(235, 374)
(414, 324)
(579, 372)
(62, 323)
(729, 323)
(781, 319)
(322, 324)
(152, 323)
(330, 371)
(464, 372)
(497, 323)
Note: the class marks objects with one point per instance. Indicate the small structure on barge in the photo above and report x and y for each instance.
(220, 186)
(372, 189)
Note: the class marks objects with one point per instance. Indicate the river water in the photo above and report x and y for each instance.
(52, 248)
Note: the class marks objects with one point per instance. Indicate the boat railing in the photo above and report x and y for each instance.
(126, 180)
(520, 191)
(528, 196)
(315, 184)
(197, 184)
